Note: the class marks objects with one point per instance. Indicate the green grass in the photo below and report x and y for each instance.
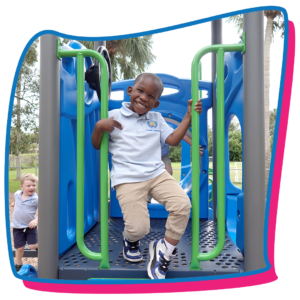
(14, 185)
(233, 174)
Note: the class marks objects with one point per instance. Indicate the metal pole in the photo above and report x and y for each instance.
(216, 38)
(254, 141)
(49, 158)
(98, 44)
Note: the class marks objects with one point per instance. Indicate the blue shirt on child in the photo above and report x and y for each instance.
(24, 210)
(164, 149)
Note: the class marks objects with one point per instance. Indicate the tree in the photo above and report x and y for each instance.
(273, 114)
(129, 57)
(18, 142)
(175, 153)
(209, 138)
(235, 140)
(235, 145)
(24, 113)
(275, 23)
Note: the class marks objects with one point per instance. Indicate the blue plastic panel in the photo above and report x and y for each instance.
(233, 107)
(68, 140)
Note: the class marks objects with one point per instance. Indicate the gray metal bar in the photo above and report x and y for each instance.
(99, 43)
(216, 38)
(254, 140)
(49, 158)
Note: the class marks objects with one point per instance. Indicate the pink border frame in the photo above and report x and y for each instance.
(226, 283)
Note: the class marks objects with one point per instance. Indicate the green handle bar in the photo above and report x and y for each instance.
(103, 257)
(219, 50)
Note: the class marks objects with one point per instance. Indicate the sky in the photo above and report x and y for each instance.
(175, 50)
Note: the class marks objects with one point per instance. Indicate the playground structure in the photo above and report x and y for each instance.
(238, 248)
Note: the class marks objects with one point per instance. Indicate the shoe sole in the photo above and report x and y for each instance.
(151, 252)
(132, 260)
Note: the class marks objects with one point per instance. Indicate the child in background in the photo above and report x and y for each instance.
(24, 220)
(135, 137)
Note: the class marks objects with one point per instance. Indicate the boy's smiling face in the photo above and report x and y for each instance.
(28, 187)
(144, 95)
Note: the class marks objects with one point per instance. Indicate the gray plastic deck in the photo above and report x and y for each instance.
(73, 265)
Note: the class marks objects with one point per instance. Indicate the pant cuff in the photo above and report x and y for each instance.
(172, 235)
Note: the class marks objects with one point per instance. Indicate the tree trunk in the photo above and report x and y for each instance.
(18, 136)
(268, 40)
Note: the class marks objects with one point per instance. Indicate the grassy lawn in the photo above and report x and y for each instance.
(235, 178)
(235, 175)
(14, 185)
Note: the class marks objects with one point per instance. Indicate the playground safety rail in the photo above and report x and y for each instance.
(220, 50)
(80, 54)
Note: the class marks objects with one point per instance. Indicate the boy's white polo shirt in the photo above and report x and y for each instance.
(136, 150)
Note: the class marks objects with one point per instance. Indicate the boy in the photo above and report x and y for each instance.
(135, 137)
(165, 150)
(24, 220)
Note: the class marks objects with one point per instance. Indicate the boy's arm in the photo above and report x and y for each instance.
(175, 138)
(33, 223)
(188, 140)
(101, 126)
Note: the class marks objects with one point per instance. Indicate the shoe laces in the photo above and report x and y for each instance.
(133, 245)
(164, 264)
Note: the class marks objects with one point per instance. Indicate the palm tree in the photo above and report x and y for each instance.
(129, 57)
(275, 23)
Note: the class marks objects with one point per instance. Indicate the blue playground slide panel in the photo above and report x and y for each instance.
(28, 271)
(233, 83)
(68, 147)
(173, 108)
(240, 222)
(233, 107)
(231, 216)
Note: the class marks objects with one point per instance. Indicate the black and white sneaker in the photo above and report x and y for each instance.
(160, 259)
(131, 250)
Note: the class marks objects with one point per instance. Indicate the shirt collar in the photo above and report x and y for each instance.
(128, 112)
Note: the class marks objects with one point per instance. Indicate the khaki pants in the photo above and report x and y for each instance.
(164, 189)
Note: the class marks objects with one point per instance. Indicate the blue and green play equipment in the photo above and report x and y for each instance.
(86, 241)
(172, 107)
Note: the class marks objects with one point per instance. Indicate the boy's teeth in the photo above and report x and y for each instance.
(139, 104)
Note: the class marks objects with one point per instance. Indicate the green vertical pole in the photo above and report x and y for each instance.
(104, 177)
(200, 77)
(220, 50)
(195, 265)
(80, 153)
(220, 149)
(103, 257)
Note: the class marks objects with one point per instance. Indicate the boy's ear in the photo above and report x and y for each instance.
(156, 104)
(129, 90)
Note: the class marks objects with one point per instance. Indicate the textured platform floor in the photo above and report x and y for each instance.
(73, 265)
